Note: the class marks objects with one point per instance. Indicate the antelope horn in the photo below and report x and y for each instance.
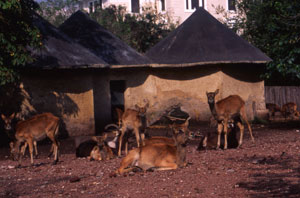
(111, 125)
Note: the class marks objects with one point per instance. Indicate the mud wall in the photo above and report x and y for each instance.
(67, 94)
(81, 98)
(188, 87)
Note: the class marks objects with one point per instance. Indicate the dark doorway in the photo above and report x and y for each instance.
(117, 89)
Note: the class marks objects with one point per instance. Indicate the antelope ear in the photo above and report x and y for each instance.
(104, 136)
(3, 117)
(147, 105)
(137, 106)
(217, 91)
(12, 116)
(11, 145)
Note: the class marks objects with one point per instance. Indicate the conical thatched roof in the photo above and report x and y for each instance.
(202, 39)
(60, 51)
(101, 42)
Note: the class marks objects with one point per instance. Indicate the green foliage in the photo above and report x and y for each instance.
(17, 33)
(273, 26)
(140, 31)
(57, 11)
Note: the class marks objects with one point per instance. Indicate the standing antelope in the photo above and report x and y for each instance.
(132, 121)
(226, 109)
(159, 155)
(35, 129)
(9, 129)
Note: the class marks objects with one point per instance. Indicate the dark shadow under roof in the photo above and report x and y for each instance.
(202, 39)
(60, 51)
(101, 42)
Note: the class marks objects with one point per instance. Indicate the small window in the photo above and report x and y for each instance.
(135, 6)
(195, 4)
(187, 7)
(162, 5)
(192, 5)
(231, 5)
(96, 5)
(90, 7)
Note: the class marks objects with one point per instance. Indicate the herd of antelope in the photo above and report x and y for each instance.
(287, 110)
(157, 152)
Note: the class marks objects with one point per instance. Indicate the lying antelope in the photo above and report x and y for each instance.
(273, 108)
(225, 110)
(35, 129)
(132, 121)
(161, 156)
(159, 140)
(289, 109)
(95, 149)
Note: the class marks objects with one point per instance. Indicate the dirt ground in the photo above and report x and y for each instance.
(268, 168)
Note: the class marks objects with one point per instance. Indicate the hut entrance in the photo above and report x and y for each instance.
(117, 89)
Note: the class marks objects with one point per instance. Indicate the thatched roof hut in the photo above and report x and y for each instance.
(58, 81)
(201, 40)
(60, 51)
(100, 41)
(208, 56)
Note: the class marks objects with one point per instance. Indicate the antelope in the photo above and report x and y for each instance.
(35, 129)
(159, 140)
(273, 108)
(95, 149)
(290, 109)
(161, 156)
(210, 140)
(225, 110)
(132, 121)
(176, 127)
(10, 133)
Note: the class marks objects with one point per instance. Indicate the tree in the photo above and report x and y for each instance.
(273, 26)
(57, 11)
(16, 35)
(140, 31)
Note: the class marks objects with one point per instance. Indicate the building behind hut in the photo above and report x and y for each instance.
(178, 10)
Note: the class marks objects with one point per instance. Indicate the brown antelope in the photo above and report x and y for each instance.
(161, 156)
(210, 140)
(35, 129)
(11, 133)
(132, 121)
(95, 149)
(289, 109)
(273, 108)
(225, 110)
(159, 140)
(176, 127)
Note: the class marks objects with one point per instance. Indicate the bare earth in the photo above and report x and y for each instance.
(268, 168)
